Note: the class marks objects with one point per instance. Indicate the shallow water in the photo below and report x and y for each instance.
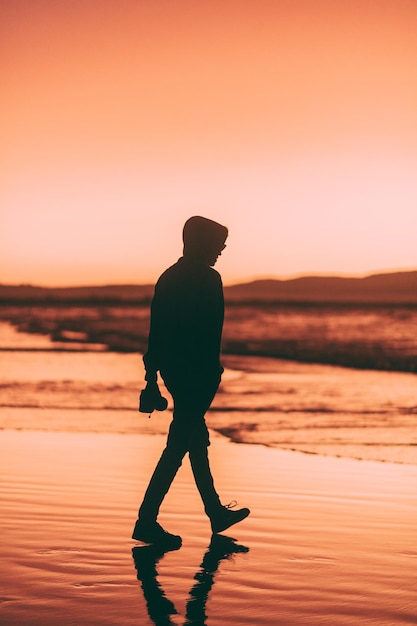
(311, 408)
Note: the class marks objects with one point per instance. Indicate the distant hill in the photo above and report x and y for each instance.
(394, 288)
(107, 293)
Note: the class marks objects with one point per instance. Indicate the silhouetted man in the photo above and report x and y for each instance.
(184, 346)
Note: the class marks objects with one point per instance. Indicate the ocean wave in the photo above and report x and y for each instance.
(401, 452)
(68, 407)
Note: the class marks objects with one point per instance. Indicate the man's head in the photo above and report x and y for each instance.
(203, 239)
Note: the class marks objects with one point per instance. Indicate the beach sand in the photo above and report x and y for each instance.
(329, 540)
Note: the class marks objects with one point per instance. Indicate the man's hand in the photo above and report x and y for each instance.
(150, 399)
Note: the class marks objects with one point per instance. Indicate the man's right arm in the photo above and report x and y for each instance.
(151, 358)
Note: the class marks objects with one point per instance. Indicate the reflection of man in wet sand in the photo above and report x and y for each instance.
(184, 346)
(159, 606)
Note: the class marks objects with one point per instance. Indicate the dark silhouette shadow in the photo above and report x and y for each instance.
(160, 608)
(221, 547)
(187, 313)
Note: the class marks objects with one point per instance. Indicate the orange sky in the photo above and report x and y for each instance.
(294, 123)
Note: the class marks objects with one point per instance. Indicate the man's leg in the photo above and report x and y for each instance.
(178, 442)
(164, 473)
(191, 404)
(147, 528)
(221, 517)
(204, 479)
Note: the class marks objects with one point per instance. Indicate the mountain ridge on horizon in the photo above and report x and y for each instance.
(390, 288)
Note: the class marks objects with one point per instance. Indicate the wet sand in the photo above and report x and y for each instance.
(329, 541)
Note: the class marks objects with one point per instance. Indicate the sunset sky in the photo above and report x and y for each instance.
(292, 122)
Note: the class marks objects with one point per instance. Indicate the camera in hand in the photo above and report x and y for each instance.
(150, 399)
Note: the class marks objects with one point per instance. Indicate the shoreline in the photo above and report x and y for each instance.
(87, 347)
(217, 433)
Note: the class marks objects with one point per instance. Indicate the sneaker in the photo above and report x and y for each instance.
(225, 517)
(152, 532)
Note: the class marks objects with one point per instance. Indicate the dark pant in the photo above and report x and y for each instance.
(187, 433)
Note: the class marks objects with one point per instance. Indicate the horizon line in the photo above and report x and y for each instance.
(227, 283)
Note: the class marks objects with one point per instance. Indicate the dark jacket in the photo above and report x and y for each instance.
(186, 322)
